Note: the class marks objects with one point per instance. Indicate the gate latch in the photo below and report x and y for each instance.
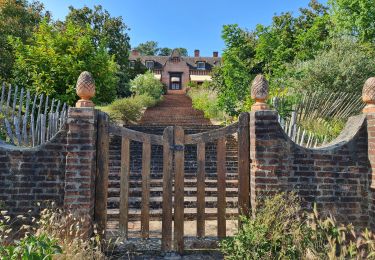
(177, 147)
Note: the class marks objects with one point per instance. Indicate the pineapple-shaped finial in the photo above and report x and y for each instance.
(85, 89)
(368, 95)
(259, 92)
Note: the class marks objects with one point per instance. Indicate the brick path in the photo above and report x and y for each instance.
(174, 110)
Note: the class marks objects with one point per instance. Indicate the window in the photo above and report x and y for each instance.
(201, 65)
(132, 64)
(149, 64)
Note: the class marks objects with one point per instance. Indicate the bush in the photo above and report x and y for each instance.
(343, 68)
(129, 110)
(281, 230)
(205, 99)
(147, 84)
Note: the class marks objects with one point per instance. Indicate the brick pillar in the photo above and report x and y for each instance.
(265, 158)
(80, 168)
(368, 96)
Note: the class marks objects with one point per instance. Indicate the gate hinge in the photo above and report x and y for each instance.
(177, 147)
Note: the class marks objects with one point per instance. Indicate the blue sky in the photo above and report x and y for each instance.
(193, 24)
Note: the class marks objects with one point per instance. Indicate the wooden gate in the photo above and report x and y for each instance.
(173, 141)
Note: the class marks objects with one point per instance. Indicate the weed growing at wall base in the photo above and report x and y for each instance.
(56, 235)
(281, 230)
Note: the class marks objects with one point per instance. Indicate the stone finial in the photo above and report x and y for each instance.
(259, 92)
(85, 89)
(368, 95)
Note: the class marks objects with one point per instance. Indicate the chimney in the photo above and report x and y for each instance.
(196, 53)
(215, 54)
(135, 52)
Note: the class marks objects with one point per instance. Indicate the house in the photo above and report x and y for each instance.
(176, 71)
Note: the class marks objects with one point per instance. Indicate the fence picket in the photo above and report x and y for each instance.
(221, 191)
(201, 204)
(124, 186)
(166, 242)
(145, 211)
(179, 191)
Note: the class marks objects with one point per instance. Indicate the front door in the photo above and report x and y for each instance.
(175, 81)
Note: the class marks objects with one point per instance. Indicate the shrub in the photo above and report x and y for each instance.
(205, 99)
(343, 68)
(129, 110)
(147, 84)
(281, 230)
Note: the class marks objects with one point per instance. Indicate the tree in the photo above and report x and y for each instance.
(183, 51)
(53, 58)
(149, 48)
(354, 17)
(267, 50)
(168, 51)
(233, 78)
(109, 32)
(18, 18)
(165, 51)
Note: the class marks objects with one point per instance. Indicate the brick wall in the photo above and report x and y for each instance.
(335, 177)
(28, 176)
(61, 171)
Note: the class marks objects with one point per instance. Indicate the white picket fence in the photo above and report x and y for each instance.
(299, 135)
(318, 105)
(29, 121)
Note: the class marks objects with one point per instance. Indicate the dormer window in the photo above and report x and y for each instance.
(132, 64)
(201, 65)
(149, 64)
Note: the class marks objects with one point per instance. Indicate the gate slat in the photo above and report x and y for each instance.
(201, 152)
(179, 191)
(166, 244)
(145, 211)
(101, 185)
(244, 164)
(124, 186)
(221, 193)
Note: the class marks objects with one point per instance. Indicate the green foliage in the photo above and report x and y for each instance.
(274, 233)
(354, 17)
(52, 60)
(110, 33)
(205, 99)
(168, 51)
(344, 67)
(151, 48)
(147, 84)
(130, 109)
(33, 247)
(233, 78)
(18, 18)
(267, 50)
(281, 230)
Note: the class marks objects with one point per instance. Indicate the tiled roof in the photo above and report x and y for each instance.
(159, 61)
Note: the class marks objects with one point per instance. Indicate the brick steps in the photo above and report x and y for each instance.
(174, 110)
